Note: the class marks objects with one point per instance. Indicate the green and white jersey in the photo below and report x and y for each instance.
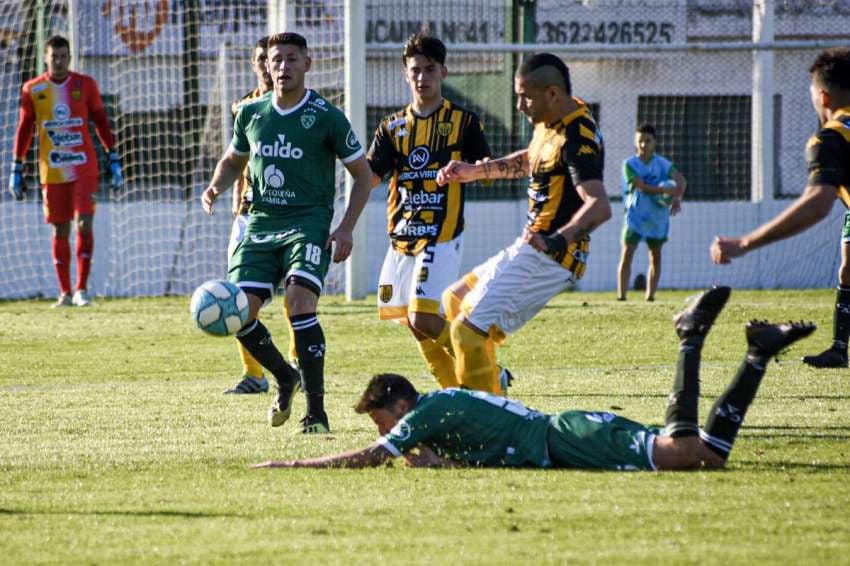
(475, 427)
(292, 165)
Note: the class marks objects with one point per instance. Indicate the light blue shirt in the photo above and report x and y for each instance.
(647, 215)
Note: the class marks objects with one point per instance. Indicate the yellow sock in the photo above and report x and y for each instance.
(451, 305)
(491, 356)
(293, 353)
(441, 364)
(473, 367)
(250, 366)
(445, 339)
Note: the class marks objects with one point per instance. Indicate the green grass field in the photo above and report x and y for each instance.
(117, 446)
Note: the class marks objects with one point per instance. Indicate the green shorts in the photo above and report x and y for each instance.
(845, 230)
(296, 255)
(632, 238)
(602, 441)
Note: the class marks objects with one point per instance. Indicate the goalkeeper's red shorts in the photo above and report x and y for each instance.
(64, 201)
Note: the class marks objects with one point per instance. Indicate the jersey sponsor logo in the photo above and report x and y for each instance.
(281, 148)
(444, 128)
(586, 150)
(420, 198)
(401, 132)
(65, 139)
(418, 175)
(68, 123)
(273, 177)
(396, 122)
(416, 231)
(263, 238)
(385, 293)
(419, 157)
(351, 141)
(307, 120)
(66, 158)
(61, 112)
(39, 87)
(401, 430)
(320, 104)
(600, 417)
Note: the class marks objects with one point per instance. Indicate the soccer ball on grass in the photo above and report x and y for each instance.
(219, 307)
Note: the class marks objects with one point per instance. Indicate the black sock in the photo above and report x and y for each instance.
(257, 340)
(727, 414)
(841, 319)
(310, 345)
(682, 404)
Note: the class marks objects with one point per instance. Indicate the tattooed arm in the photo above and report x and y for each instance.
(513, 166)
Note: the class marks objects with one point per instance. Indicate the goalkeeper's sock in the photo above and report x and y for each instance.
(727, 414)
(62, 263)
(257, 340)
(841, 319)
(310, 345)
(85, 250)
(683, 401)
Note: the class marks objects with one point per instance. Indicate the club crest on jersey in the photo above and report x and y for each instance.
(444, 128)
(385, 293)
(401, 430)
(76, 94)
(281, 148)
(307, 120)
(419, 157)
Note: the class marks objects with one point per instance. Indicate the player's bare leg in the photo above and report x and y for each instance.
(433, 337)
(836, 355)
(84, 251)
(258, 341)
(310, 345)
(654, 272)
(62, 262)
(624, 270)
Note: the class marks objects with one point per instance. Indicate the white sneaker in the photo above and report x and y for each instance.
(64, 300)
(82, 298)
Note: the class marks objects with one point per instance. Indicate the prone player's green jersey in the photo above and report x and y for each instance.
(292, 164)
(475, 427)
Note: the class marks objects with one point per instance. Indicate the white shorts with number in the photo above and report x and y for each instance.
(512, 287)
(240, 223)
(416, 283)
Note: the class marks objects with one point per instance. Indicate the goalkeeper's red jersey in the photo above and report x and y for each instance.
(61, 112)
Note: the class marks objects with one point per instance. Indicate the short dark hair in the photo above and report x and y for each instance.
(646, 129)
(383, 391)
(288, 38)
(831, 69)
(540, 60)
(262, 43)
(423, 43)
(57, 42)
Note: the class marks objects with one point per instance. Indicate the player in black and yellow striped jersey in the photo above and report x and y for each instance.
(566, 201)
(828, 159)
(253, 380)
(425, 221)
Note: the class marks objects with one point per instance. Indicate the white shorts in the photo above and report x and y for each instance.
(240, 223)
(512, 287)
(416, 283)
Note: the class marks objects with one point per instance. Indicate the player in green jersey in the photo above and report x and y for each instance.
(458, 426)
(290, 140)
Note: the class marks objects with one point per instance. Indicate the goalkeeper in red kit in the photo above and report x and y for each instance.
(59, 104)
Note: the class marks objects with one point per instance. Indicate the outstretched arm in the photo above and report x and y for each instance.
(369, 457)
(513, 166)
(812, 207)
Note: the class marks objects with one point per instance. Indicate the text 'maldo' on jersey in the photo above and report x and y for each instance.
(413, 149)
(561, 156)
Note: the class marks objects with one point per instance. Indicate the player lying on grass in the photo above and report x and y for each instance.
(464, 427)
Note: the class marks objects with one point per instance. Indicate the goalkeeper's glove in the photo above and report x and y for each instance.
(115, 170)
(17, 186)
(556, 246)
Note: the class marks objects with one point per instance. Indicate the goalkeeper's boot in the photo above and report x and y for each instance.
(249, 386)
(64, 300)
(831, 358)
(766, 339)
(82, 298)
(696, 320)
(315, 424)
(281, 409)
